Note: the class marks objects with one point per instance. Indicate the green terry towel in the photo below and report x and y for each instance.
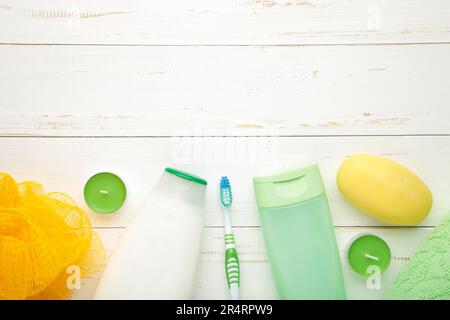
(427, 276)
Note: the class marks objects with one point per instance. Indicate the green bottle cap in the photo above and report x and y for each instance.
(186, 175)
(289, 187)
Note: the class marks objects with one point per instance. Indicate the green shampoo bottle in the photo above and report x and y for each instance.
(299, 236)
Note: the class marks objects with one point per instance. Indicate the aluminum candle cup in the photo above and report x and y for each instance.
(368, 251)
(105, 192)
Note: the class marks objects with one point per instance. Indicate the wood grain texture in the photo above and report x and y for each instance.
(256, 278)
(277, 83)
(224, 22)
(202, 91)
(65, 164)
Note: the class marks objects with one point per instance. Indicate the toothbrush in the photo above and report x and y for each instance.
(231, 257)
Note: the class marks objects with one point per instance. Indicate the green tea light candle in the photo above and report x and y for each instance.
(105, 192)
(366, 251)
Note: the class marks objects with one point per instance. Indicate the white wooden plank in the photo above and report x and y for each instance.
(65, 164)
(224, 22)
(198, 91)
(256, 279)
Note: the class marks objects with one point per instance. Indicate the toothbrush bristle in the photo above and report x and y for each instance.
(226, 196)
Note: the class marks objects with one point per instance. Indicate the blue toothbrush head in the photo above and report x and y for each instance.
(226, 196)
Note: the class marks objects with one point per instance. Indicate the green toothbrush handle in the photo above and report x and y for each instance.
(231, 262)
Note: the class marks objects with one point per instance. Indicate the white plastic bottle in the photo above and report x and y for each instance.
(158, 255)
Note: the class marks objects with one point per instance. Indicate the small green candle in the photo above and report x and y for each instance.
(369, 250)
(105, 192)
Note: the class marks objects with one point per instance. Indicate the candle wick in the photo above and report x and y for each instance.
(104, 191)
(368, 256)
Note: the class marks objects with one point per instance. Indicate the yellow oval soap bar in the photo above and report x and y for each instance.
(384, 189)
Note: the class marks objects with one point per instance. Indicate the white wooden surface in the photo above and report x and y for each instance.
(224, 22)
(236, 87)
(166, 91)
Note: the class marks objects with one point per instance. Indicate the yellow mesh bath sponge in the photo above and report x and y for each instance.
(46, 241)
